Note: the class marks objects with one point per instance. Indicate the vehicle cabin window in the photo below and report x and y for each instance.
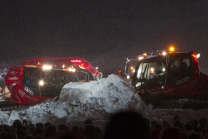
(150, 73)
(180, 67)
(31, 77)
(30, 80)
(54, 80)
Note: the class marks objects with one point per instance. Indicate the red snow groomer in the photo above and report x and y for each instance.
(169, 79)
(42, 78)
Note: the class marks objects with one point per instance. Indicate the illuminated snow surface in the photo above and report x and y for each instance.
(95, 100)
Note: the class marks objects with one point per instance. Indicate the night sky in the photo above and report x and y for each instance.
(102, 32)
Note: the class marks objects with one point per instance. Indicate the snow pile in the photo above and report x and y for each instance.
(95, 100)
(110, 94)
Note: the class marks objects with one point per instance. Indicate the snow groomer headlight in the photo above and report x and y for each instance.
(163, 69)
(198, 55)
(41, 82)
(71, 69)
(47, 67)
(140, 58)
(164, 53)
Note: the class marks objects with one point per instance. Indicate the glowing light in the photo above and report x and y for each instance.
(41, 82)
(47, 67)
(96, 68)
(140, 57)
(194, 55)
(164, 53)
(119, 72)
(198, 55)
(132, 69)
(81, 66)
(127, 77)
(152, 70)
(163, 69)
(171, 48)
(144, 54)
(63, 66)
(71, 69)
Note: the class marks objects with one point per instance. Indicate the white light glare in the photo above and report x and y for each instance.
(133, 70)
(198, 55)
(47, 67)
(41, 82)
(140, 57)
(164, 53)
(163, 69)
(128, 77)
(152, 70)
(72, 69)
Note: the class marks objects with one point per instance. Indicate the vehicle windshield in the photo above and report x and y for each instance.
(150, 73)
(53, 81)
(155, 71)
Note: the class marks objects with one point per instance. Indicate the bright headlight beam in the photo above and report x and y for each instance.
(71, 69)
(152, 70)
(47, 67)
(163, 69)
(164, 53)
(41, 82)
(140, 58)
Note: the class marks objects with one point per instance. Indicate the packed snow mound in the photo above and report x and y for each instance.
(111, 94)
(95, 100)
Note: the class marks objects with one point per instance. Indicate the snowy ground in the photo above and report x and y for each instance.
(96, 100)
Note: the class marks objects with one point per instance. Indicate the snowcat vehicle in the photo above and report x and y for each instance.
(42, 78)
(169, 79)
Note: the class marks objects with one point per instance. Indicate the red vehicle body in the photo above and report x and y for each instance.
(42, 78)
(169, 80)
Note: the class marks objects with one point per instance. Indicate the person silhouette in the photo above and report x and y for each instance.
(126, 124)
